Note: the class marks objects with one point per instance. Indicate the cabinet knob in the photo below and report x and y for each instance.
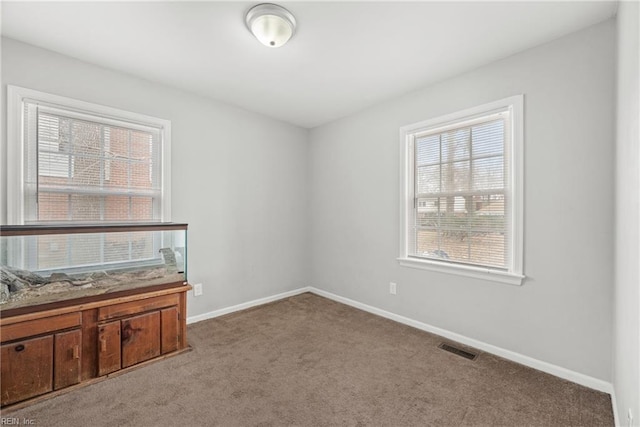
(76, 352)
(19, 347)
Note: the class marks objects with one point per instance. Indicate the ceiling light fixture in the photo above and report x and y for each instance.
(272, 25)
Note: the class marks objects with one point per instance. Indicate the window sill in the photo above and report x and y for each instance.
(464, 270)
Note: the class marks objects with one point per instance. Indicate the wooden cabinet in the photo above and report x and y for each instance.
(66, 358)
(144, 330)
(109, 356)
(49, 350)
(170, 318)
(39, 365)
(27, 369)
(140, 338)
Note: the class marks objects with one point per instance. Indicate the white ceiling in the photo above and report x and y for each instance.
(345, 56)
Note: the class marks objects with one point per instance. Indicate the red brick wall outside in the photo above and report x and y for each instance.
(124, 164)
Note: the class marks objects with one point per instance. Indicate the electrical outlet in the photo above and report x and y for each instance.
(630, 417)
(393, 288)
(197, 289)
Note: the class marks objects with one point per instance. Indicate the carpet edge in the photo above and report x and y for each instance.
(549, 368)
(246, 305)
(558, 371)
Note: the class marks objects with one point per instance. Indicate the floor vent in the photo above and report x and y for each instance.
(458, 351)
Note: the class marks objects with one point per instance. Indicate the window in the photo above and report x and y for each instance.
(79, 162)
(461, 204)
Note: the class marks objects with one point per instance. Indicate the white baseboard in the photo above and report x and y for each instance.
(614, 404)
(549, 368)
(245, 305)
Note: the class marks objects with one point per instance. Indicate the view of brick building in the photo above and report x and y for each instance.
(93, 172)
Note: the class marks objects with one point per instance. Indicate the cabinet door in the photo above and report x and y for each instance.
(140, 338)
(169, 329)
(66, 359)
(108, 347)
(27, 369)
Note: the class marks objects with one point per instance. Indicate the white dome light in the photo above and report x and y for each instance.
(272, 25)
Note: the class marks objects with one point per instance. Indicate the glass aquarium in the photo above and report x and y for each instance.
(43, 264)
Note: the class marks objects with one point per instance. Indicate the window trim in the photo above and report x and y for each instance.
(515, 272)
(16, 144)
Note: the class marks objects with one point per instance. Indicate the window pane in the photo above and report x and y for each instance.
(472, 230)
(428, 179)
(489, 213)
(459, 205)
(86, 207)
(48, 131)
(120, 247)
(86, 163)
(118, 174)
(51, 251)
(116, 208)
(53, 207)
(455, 176)
(487, 249)
(455, 145)
(428, 150)
(85, 249)
(428, 243)
(488, 138)
(428, 212)
(53, 164)
(118, 141)
(56, 251)
(141, 209)
(462, 222)
(442, 245)
(91, 171)
(141, 174)
(488, 173)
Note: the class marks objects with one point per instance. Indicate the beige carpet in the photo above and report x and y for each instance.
(307, 360)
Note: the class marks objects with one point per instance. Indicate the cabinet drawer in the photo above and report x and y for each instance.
(27, 369)
(134, 307)
(40, 326)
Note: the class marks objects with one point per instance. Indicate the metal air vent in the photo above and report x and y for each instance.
(458, 351)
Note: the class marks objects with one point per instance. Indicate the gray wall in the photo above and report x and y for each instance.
(269, 213)
(239, 179)
(562, 314)
(626, 357)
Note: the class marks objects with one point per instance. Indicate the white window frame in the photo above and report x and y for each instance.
(16, 95)
(514, 188)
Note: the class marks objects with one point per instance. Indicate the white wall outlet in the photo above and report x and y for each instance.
(630, 417)
(197, 289)
(393, 288)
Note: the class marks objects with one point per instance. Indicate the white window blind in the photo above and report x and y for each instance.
(84, 167)
(461, 212)
(75, 161)
(462, 191)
